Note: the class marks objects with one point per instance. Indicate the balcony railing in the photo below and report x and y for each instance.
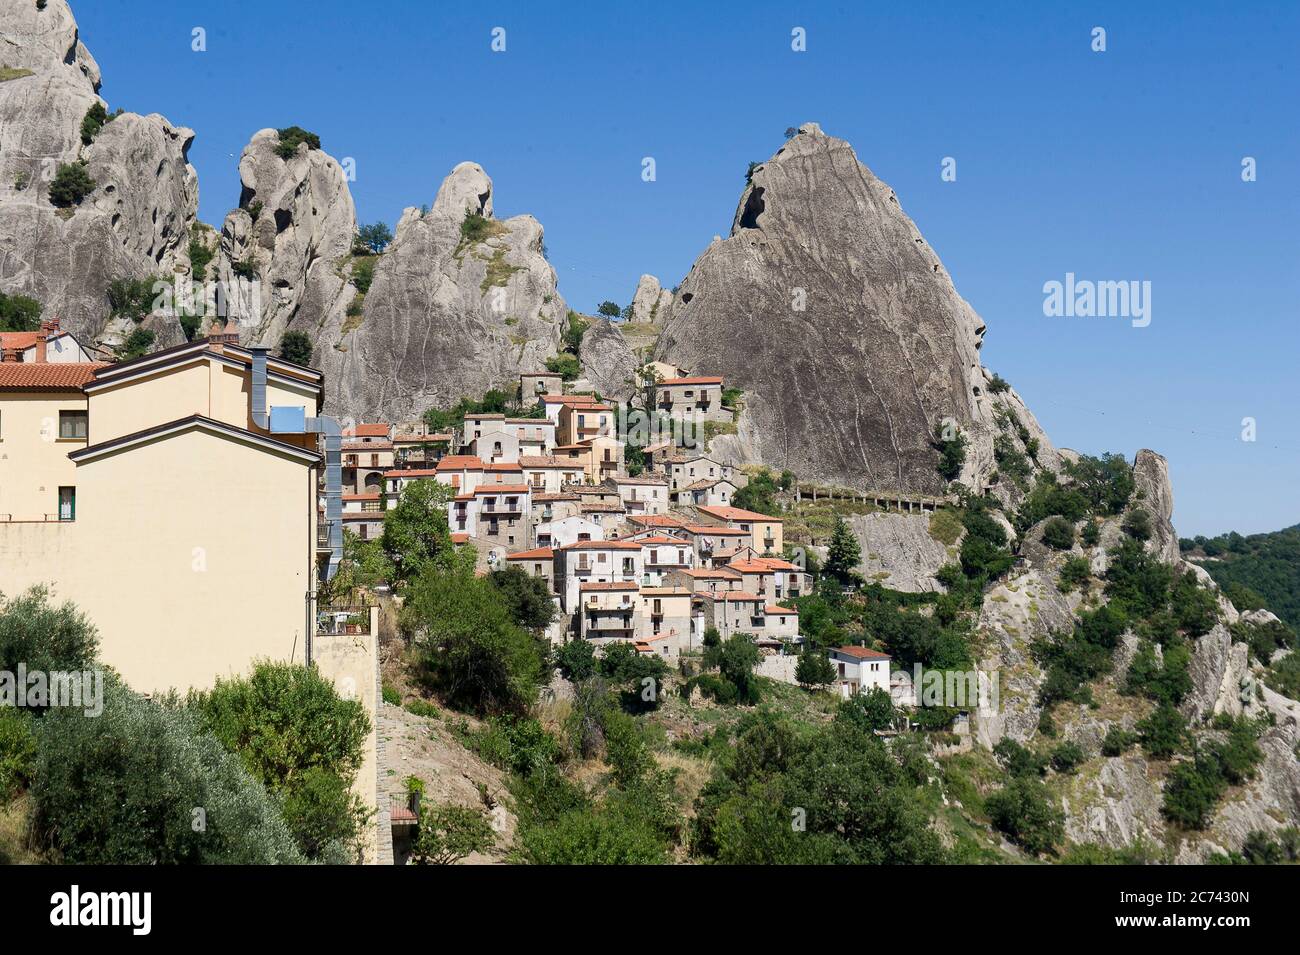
(338, 621)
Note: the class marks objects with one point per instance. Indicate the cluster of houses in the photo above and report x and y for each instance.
(654, 559)
(209, 471)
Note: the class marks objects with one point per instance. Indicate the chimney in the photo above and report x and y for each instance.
(41, 338)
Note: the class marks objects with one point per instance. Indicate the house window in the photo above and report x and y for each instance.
(73, 424)
(374, 460)
(537, 569)
(67, 503)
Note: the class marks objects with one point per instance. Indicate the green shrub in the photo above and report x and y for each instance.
(577, 660)
(95, 119)
(200, 257)
(291, 137)
(71, 184)
(1137, 524)
(447, 834)
(141, 784)
(1067, 757)
(1163, 732)
(565, 365)
(44, 636)
(301, 740)
(19, 313)
(244, 269)
(391, 695)
(17, 751)
(1058, 533)
(1026, 812)
(952, 451)
(1019, 760)
(137, 344)
(998, 384)
(1117, 741)
(363, 273)
(296, 347)
(1075, 573)
(1090, 534)
(422, 708)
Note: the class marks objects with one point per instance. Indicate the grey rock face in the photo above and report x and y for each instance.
(445, 316)
(1154, 493)
(650, 304)
(136, 222)
(294, 229)
(608, 362)
(826, 301)
(898, 551)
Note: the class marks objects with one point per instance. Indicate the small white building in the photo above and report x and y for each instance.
(859, 670)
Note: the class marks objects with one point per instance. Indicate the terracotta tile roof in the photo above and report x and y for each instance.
(750, 567)
(703, 573)
(715, 530)
(657, 520)
(698, 380)
(862, 653)
(786, 611)
(602, 508)
(739, 514)
(776, 563)
(460, 537)
(460, 462)
(46, 376)
(411, 473)
(361, 497)
(485, 417)
(502, 466)
(22, 340)
(735, 596)
(540, 553)
(626, 585)
(377, 429)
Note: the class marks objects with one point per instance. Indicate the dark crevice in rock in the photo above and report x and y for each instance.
(283, 219)
(753, 209)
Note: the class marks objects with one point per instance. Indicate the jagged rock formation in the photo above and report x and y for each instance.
(608, 362)
(899, 551)
(650, 304)
(135, 224)
(446, 315)
(827, 303)
(1154, 493)
(291, 237)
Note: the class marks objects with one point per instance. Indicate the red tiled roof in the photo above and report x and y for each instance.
(459, 537)
(739, 514)
(23, 340)
(780, 610)
(862, 653)
(502, 466)
(46, 376)
(460, 462)
(626, 585)
(738, 596)
(361, 497)
(376, 430)
(715, 530)
(411, 473)
(657, 520)
(540, 553)
(708, 574)
(750, 567)
(502, 489)
(775, 563)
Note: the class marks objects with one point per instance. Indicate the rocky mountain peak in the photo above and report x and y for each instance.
(466, 191)
(827, 306)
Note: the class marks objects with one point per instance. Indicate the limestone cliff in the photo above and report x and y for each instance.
(136, 221)
(828, 306)
(451, 308)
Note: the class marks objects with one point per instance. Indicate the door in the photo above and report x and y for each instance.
(67, 503)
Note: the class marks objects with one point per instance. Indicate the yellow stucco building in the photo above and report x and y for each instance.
(175, 499)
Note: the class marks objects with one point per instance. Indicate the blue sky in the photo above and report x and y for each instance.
(1122, 165)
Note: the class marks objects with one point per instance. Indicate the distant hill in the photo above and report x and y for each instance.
(1259, 570)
